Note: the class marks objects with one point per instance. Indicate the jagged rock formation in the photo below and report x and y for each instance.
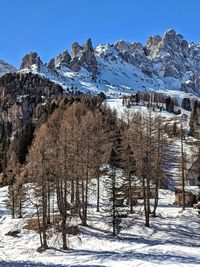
(81, 56)
(6, 68)
(63, 59)
(31, 59)
(165, 62)
(76, 48)
(87, 58)
(51, 64)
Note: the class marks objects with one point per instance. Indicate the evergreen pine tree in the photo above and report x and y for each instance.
(114, 194)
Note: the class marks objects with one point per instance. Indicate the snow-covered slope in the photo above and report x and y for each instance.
(163, 63)
(172, 240)
(5, 68)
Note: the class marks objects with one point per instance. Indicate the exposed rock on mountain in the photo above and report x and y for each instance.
(63, 59)
(87, 58)
(31, 59)
(74, 64)
(165, 62)
(51, 64)
(76, 48)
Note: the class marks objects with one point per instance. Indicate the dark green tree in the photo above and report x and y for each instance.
(115, 197)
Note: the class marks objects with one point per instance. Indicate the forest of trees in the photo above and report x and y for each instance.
(84, 141)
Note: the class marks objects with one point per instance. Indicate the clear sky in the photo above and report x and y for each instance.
(50, 26)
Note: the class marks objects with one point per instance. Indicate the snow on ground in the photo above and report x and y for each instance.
(116, 103)
(172, 240)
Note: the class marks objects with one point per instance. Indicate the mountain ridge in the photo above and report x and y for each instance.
(165, 63)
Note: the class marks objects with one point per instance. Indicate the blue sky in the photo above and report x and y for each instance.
(50, 26)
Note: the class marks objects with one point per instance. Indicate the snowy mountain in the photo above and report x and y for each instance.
(6, 68)
(164, 63)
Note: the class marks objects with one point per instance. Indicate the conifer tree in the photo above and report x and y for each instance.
(114, 194)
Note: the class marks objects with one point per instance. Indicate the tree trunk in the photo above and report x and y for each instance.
(39, 226)
(64, 217)
(20, 209)
(182, 169)
(49, 204)
(98, 191)
(114, 205)
(64, 235)
(44, 216)
(13, 203)
(130, 193)
(72, 191)
(155, 200)
(77, 203)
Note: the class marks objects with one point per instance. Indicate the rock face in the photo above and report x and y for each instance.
(31, 59)
(171, 52)
(51, 64)
(5, 68)
(76, 48)
(164, 62)
(74, 64)
(81, 56)
(169, 56)
(87, 58)
(63, 59)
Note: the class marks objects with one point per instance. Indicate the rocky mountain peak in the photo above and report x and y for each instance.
(121, 45)
(171, 33)
(88, 45)
(167, 61)
(171, 38)
(63, 59)
(87, 58)
(76, 48)
(153, 42)
(166, 46)
(31, 59)
(51, 64)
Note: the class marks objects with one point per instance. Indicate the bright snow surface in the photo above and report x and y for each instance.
(173, 240)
